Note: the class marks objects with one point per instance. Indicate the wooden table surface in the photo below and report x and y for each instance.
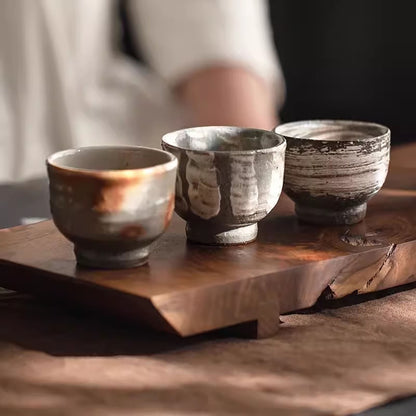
(12, 206)
(189, 289)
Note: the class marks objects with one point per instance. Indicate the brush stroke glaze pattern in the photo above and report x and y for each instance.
(334, 167)
(203, 187)
(244, 192)
(228, 178)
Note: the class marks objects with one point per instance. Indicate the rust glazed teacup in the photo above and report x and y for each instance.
(112, 202)
(229, 178)
(333, 167)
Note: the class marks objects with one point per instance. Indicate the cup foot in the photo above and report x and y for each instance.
(323, 216)
(105, 259)
(203, 234)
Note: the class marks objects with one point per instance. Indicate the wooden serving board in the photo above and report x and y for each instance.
(189, 289)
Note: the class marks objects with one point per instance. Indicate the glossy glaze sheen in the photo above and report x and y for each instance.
(229, 178)
(109, 206)
(334, 167)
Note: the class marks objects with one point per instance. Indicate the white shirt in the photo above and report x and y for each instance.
(64, 84)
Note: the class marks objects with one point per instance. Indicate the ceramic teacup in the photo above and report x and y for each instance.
(228, 179)
(112, 202)
(333, 167)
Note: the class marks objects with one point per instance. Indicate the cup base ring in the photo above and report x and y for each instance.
(324, 216)
(104, 259)
(206, 235)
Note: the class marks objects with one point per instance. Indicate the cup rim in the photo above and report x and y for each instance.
(170, 164)
(282, 140)
(339, 122)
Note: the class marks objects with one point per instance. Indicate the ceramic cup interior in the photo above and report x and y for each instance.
(333, 167)
(109, 158)
(223, 139)
(112, 202)
(228, 179)
(332, 130)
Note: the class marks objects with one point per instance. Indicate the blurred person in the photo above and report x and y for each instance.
(64, 82)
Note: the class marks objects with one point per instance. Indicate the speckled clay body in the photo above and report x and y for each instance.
(112, 202)
(333, 167)
(228, 179)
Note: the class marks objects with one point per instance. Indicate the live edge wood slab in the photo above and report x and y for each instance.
(189, 289)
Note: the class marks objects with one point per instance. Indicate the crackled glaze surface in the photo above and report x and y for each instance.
(228, 179)
(334, 166)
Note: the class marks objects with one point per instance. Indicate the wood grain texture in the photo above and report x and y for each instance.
(189, 289)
